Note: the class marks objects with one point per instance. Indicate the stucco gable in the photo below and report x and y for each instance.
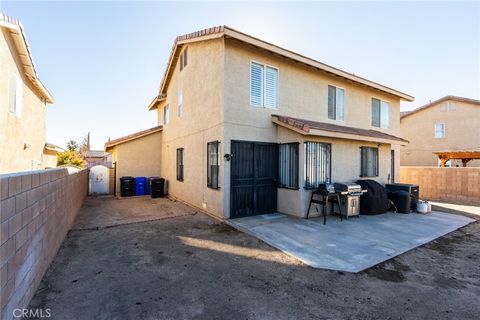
(19, 37)
(437, 102)
(224, 31)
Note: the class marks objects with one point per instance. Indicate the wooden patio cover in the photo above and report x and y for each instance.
(465, 156)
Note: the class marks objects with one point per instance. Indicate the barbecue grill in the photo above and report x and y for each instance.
(326, 188)
(349, 198)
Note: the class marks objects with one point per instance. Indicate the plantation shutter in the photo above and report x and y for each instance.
(256, 84)
(271, 87)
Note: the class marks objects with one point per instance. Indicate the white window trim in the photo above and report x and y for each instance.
(166, 114)
(262, 105)
(344, 102)
(444, 127)
(180, 103)
(389, 112)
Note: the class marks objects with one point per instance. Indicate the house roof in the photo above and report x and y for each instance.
(446, 98)
(53, 147)
(17, 33)
(308, 127)
(227, 32)
(130, 137)
(95, 154)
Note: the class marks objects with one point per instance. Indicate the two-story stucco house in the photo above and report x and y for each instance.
(251, 128)
(23, 100)
(447, 129)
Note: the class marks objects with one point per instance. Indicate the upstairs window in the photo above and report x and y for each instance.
(336, 103)
(380, 113)
(15, 94)
(288, 165)
(263, 86)
(213, 164)
(368, 162)
(439, 130)
(183, 59)
(180, 164)
(166, 114)
(317, 164)
(180, 103)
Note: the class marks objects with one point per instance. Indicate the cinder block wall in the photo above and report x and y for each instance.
(37, 208)
(459, 185)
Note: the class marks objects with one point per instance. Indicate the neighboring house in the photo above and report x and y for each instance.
(97, 157)
(49, 159)
(137, 154)
(251, 128)
(23, 100)
(450, 125)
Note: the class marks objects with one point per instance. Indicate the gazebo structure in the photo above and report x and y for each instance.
(465, 156)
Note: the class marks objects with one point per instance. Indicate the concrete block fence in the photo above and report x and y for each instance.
(459, 185)
(37, 208)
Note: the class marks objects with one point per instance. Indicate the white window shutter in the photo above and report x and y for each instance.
(19, 97)
(256, 84)
(271, 87)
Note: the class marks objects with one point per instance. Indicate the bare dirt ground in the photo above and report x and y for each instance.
(194, 267)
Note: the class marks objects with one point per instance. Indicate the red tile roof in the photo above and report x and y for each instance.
(227, 32)
(306, 125)
(132, 136)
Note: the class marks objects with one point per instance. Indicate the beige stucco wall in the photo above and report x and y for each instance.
(201, 122)
(16, 131)
(216, 107)
(49, 159)
(303, 94)
(345, 168)
(138, 158)
(462, 132)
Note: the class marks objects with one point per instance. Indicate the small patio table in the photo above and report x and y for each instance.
(325, 198)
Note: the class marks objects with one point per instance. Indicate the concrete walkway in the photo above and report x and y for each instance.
(107, 211)
(354, 244)
(445, 206)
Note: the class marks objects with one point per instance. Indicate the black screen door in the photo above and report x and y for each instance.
(254, 170)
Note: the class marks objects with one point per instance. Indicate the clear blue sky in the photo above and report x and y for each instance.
(103, 61)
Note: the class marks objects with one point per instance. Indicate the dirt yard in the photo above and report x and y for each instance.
(194, 267)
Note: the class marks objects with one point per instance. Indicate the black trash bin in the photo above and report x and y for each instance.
(157, 187)
(127, 186)
(402, 200)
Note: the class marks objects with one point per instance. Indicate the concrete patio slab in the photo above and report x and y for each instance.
(352, 245)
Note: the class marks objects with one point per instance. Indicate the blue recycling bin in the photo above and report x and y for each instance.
(140, 186)
(149, 182)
